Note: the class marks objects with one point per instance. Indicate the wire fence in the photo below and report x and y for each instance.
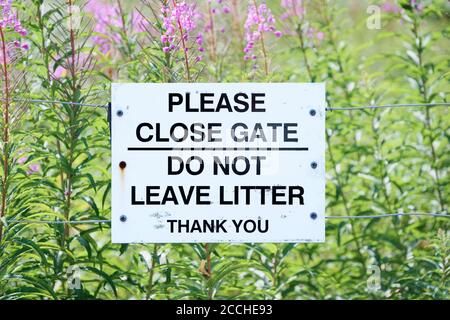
(81, 104)
(368, 107)
(390, 106)
(378, 216)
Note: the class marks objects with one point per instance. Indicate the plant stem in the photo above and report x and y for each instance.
(383, 170)
(423, 90)
(5, 131)
(124, 29)
(213, 34)
(72, 123)
(44, 51)
(208, 269)
(72, 45)
(263, 46)
(237, 25)
(302, 44)
(304, 53)
(185, 49)
(275, 268)
(152, 272)
(340, 184)
(237, 29)
(46, 57)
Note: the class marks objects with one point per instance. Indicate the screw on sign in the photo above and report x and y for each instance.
(212, 162)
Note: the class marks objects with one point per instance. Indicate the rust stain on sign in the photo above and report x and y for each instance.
(122, 166)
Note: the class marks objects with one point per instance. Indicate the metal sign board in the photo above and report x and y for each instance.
(210, 162)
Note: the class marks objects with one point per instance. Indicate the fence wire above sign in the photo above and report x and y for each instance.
(218, 163)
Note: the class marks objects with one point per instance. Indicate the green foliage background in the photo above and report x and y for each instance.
(378, 161)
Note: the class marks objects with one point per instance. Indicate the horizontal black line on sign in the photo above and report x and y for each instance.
(214, 149)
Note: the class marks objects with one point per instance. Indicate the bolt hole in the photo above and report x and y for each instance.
(313, 215)
(312, 112)
(123, 218)
(314, 165)
(119, 113)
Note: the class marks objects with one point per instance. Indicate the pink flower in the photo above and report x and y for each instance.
(59, 72)
(22, 160)
(10, 21)
(181, 14)
(60, 66)
(312, 33)
(320, 35)
(389, 7)
(199, 39)
(259, 21)
(294, 8)
(33, 168)
(107, 18)
(179, 22)
(417, 5)
(138, 22)
(293, 16)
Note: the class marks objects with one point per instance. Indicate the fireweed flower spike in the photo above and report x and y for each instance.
(259, 21)
(404, 10)
(214, 9)
(179, 24)
(389, 7)
(313, 34)
(294, 8)
(414, 6)
(293, 17)
(108, 18)
(417, 6)
(295, 13)
(10, 27)
(10, 22)
(295, 23)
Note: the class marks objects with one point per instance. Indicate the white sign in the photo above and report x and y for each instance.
(208, 162)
